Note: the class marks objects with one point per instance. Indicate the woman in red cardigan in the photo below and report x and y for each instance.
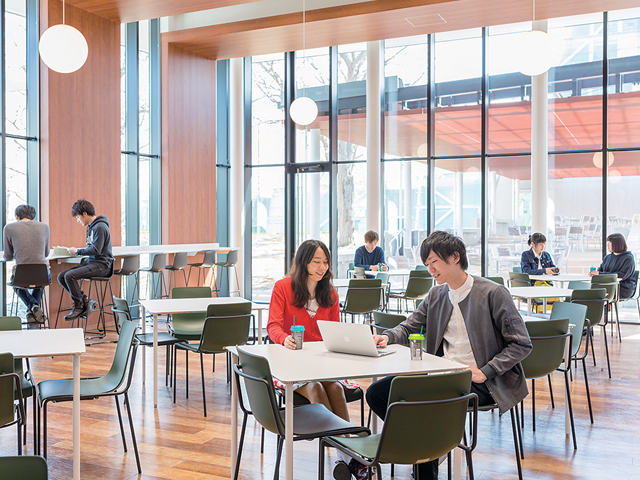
(307, 294)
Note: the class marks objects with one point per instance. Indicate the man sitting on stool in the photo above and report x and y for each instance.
(467, 319)
(99, 261)
(27, 241)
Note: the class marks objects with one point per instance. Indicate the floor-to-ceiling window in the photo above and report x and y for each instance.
(20, 165)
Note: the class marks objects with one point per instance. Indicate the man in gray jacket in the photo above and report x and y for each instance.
(27, 242)
(467, 319)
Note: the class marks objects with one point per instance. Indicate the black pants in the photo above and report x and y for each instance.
(378, 396)
(69, 279)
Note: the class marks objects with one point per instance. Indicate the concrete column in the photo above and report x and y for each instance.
(539, 146)
(375, 83)
(236, 173)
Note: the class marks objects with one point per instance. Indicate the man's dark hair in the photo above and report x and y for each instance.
(83, 206)
(618, 243)
(444, 245)
(25, 211)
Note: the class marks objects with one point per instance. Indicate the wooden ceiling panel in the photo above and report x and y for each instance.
(124, 11)
(375, 20)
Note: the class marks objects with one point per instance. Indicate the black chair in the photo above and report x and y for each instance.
(158, 283)
(130, 266)
(10, 383)
(31, 276)
(100, 284)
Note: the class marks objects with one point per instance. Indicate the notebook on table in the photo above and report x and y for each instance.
(353, 338)
(60, 252)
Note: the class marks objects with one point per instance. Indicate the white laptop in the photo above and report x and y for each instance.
(354, 338)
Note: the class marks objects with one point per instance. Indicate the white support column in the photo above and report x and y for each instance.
(539, 146)
(374, 111)
(458, 208)
(407, 208)
(493, 189)
(313, 144)
(236, 177)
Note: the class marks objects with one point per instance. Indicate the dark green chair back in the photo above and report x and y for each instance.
(259, 388)
(116, 374)
(594, 299)
(516, 269)
(383, 277)
(421, 267)
(418, 287)
(439, 401)
(419, 273)
(227, 331)
(577, 315)
(24, 467)
(7, 390)
(188, 326)
(548, 338)
(519, 279)
(363, 296)
(385, 320)
(15, 323)
(579, 285)
(350, 269)
(121, 309)
(229, 309)
(498, 280)
(608, 282)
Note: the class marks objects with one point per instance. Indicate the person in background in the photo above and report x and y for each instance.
(467, 319)
(621, 262)
(369, 255)
(27, 241)
(536, 261)
(99, 261)
(308, 295)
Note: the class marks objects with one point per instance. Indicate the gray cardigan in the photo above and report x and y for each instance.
(497, 333)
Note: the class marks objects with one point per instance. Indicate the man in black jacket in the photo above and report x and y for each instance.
(98, 261)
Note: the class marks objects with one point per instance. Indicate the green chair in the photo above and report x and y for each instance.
(363, 297)
(548, 338)
(577, 315)
(498, 280)
(516, 269)
(383, 321)
(595, 301)
(114, 383)
(421, 267)
(26, 467)
(519, 279)
(417, 289)
(219, 331)
(350, 270)
(122, 313)
(385, 278)
(425, 420)
(309, 421)
(610, 283)
(188, 326)
(420, 273)
(10, 390)
(27, 383)
(579, 285)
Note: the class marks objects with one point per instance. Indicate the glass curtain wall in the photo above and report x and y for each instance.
(20, 171)
(267, 173)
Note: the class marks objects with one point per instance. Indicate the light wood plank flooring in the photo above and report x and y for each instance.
(177, 442)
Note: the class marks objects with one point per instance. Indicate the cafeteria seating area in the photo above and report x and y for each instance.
(217, 137)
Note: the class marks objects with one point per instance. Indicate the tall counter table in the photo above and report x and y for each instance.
(314, 364)
(52, 343)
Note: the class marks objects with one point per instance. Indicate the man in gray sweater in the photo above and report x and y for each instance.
(467, 319)
(27, 242)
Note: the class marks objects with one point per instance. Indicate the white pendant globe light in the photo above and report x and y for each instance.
(63, 48)
(536, 53)
(303, 110)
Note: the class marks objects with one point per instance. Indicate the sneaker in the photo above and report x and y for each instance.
(359, 470)
(38, 314)
(341, 471)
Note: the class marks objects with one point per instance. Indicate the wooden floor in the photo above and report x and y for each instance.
(177, 442)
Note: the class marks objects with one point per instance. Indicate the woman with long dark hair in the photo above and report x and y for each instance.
(621, 262)
(307, 294)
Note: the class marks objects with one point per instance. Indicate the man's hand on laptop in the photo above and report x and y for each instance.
(381, 340)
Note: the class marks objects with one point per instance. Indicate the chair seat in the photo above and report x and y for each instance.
(26, 387)
(164, 338)
(99, 279)
(62, 389)
(366, 447)
(188, 330)
(309, 420)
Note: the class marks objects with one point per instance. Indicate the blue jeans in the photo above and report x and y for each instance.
(30, 297)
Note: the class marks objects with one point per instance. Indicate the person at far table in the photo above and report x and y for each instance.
(369, 255)
(27, 242)
(308, 295)
(536, 261)
(619, 261)
(467, 319)
(99, 261)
